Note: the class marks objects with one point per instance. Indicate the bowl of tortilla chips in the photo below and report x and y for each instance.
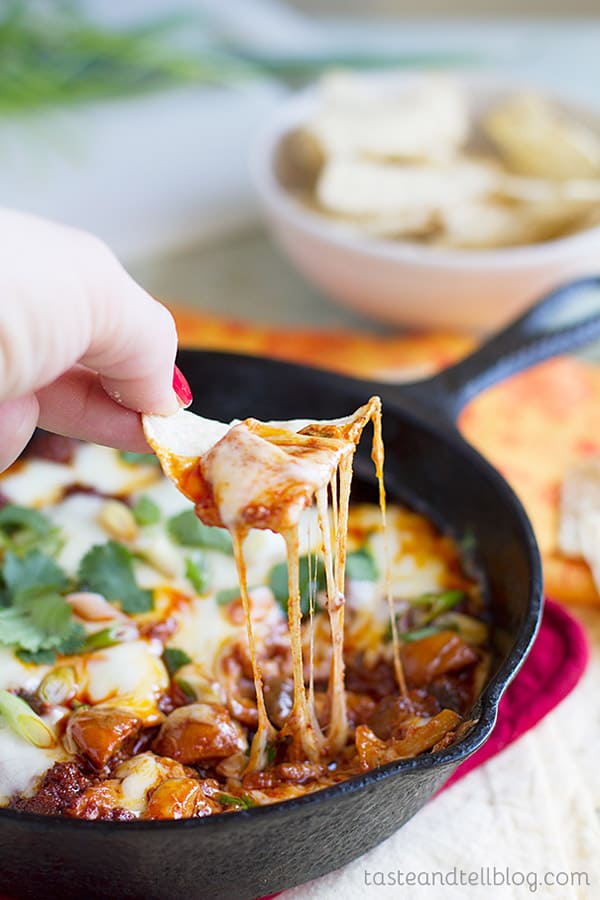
(429, 200)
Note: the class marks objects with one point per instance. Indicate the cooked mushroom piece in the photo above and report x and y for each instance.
(199, 731)
(180, 798)
(99, 732)
(435, 655)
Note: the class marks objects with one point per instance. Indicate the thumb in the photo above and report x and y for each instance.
(18, 419)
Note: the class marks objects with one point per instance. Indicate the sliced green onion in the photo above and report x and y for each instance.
(419, 633)
(58, 686)
(25, 722)
(118, 633)
(244, 802)
(442, 603)
(197, 571)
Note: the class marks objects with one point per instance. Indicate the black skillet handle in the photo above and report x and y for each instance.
(567, 318)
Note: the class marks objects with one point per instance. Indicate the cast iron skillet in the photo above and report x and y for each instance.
(248, 854)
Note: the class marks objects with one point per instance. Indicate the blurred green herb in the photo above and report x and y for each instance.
(145, 511)
(55, 53)
(311, 581)
(136, 459)
(22, 529)
(186, 529)
(360, 566)
(174, 659)
(197, 571)
(226, 595)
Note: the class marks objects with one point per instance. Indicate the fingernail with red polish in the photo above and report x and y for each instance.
(181, 387)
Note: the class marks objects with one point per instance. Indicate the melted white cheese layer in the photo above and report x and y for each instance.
(22, 764)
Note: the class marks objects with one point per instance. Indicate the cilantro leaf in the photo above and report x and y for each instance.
(107, 569)
(174, 659)
(145, 511)
(197, 571)
(44, 622)
(312, 580)
(22, 529)
(360, 566)
(17, 628)
(135, 459)
(187, 529)
(15, 518)
(40, 657)
(34, 573)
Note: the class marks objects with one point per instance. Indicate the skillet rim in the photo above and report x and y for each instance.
(488, 701)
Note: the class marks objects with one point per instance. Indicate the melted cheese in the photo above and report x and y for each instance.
(107, 473)
(15, 675)
(136, 777)
(260, 475)
(92, 467)
(203, 628)
(131, 675)
(44, 482)
(22, 764)
(131, 669)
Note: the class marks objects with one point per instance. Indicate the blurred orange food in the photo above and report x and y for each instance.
(532, 427)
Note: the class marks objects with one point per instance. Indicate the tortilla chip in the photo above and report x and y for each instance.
(532, 427)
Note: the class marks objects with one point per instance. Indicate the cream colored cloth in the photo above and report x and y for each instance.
(534, 808)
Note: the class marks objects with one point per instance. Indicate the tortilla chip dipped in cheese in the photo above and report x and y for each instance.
(261, 475)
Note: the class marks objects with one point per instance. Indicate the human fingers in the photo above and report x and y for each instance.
(77, 405)
(18, 419)
(68, 300)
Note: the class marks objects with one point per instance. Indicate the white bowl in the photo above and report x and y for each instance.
(409, 283)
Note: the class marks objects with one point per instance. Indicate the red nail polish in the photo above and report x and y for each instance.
(181, 387)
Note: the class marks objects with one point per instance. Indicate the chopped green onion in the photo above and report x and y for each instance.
(118, 633)
(419, 633)
(244, 802)
(442, 603)
(25, 722)
(58, 686)
(197, 571)
(145, 511)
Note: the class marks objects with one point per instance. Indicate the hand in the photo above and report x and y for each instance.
(83, 348)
